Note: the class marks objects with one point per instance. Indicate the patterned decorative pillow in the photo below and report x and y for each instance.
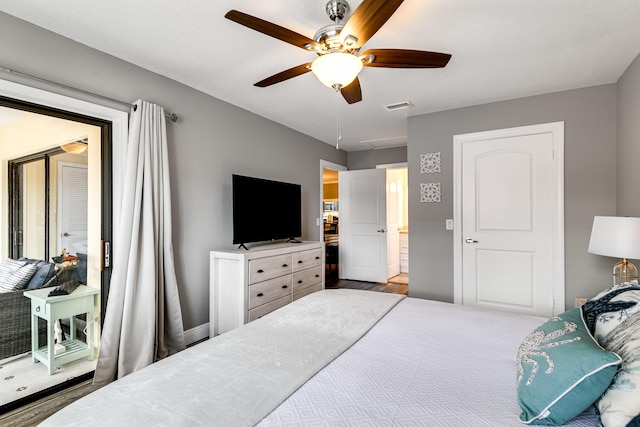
(561, 370)
(20, 279)
(8, 267)
(620, 405)
(611, 307)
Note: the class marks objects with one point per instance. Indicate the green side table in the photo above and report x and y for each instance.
(51, 308)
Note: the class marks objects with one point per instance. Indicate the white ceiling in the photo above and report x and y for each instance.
(10, 115)
(501, 49)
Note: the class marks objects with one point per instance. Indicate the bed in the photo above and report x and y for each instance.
(334, 358)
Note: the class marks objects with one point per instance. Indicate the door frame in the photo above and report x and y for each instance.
(113, 154)
(557, 131)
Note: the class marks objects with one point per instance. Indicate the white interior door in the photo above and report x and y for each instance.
(509, 217)
(363, 222)
(72, 207)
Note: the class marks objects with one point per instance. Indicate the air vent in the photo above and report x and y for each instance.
(398, 106)
(396, 141)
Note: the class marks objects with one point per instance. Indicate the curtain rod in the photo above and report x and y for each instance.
(171, 116)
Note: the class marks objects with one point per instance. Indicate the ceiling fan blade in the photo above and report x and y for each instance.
(367, 19)
(353, 92)
(285, 75)
(273, 30)
(404, 58)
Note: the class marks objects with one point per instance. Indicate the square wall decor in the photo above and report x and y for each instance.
(430, 192)
(430, 163)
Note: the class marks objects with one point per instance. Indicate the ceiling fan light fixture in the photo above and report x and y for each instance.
(336, 69)
(75, 145)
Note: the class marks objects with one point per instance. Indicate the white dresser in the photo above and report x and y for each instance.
(247, 284)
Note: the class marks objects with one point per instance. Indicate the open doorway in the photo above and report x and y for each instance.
(373, 205)
(330, 218)
(394, 193)
(57, 221)
(398, 213)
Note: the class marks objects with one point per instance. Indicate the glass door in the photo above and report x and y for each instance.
(57, 187)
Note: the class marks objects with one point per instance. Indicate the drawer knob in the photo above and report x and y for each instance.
(260, 271)
(299, 281)
(300, 262)
(260, 294)
(285, 265)
(317, 275)
(38, 308)
(317, 257)
(284, 286)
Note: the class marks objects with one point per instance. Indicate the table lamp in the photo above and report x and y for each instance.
(619, 237)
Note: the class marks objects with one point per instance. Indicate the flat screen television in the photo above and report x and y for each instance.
(265, 210)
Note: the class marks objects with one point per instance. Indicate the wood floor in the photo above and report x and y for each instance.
(391, 287)
(33, 414)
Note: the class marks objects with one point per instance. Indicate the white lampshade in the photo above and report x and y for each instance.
(615, 236)
(336, 69)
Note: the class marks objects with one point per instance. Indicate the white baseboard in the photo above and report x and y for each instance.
(196, 334)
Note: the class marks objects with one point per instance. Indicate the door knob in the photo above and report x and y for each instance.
(470, 240)
(382, 230)
(67, 234)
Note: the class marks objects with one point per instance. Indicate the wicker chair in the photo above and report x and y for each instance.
(15, 319)
(15, 324)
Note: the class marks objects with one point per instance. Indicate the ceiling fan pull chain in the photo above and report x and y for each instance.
(338, 123)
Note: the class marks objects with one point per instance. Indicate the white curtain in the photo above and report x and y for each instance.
(143, 321)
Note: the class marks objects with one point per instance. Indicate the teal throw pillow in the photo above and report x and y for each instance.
(561, 370)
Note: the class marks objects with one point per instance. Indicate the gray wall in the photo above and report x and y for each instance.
(369, 159)
(212, 140)
(628, 200)
(590, 182)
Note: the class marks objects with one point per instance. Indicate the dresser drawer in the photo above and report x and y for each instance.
(404, 243)
(267, 308)
(305, 278)
(404, 263)
(269, 290)
(238, 276)
(268, 268)
(306, 259)
(307, 291)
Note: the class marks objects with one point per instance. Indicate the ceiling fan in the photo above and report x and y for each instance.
(338, 46)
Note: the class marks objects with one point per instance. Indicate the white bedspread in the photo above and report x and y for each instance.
(239, 377)
(424, 364)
